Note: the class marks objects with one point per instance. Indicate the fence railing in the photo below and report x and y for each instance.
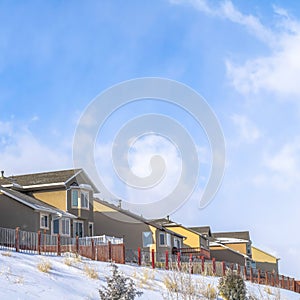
(102, 248)
(200, 265)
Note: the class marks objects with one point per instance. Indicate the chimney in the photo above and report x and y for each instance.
(2, 174)
(120, 203)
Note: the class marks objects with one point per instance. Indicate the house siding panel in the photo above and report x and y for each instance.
(15, 214)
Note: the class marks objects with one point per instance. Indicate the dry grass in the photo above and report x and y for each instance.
(44, 266)
(91, 272)
(7, 253)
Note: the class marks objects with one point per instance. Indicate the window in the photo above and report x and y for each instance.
(65, 226)
(169, 240)
(162, 239)
(74, 198)
(55, 226)
(84, 199)
(147, 238)
(61, 226)
(177, 243)
(91, 228)
(78, 228)
(44, 221)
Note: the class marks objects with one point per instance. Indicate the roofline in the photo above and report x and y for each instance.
(232, 250)
(265, 252)
(137, 217)
(35, 208)
(188, 229)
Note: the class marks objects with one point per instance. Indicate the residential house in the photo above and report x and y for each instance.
(265, 261)
(224, 253)
(28, 213)
(203, 230)
(69, 191)
(194, 243)
(135, 230)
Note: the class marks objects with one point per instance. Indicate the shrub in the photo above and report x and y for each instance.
(44, 266)
(119, 287)
(91, 272)
(232, 286)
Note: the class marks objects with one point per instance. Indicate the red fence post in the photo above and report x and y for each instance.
(167, 260)
(239, 270)
(223, 268)
(293, 285)
(191, 264)
(93, 249)
(124, 254)
(178, 260)
(109, 251)
(153, 258)
(77, 244)
(272, 280)
(245, 272)
(258, 276)
(214, 266)
(39, 242)
(139, 256)
(17, 244)
(267, 278)
(202, 264)
(288, 283)
(58, 245)
(282, 281)
(277, 280)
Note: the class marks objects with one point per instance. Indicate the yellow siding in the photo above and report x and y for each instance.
(153, 230)
(261, 256)
(216, 248)
(55, 198)
(241, 247)
(192, 238)
(102, 208)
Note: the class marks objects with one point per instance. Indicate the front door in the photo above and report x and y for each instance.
(78, 228)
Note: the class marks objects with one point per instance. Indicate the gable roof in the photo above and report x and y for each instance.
(34, 203)
(44, 179)
(264, 252)
(169, 223)
(214, 244)
(137, 217)
(202, 229)
(241, 235)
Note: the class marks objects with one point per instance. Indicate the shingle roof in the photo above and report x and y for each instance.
(40, 178)
(137, 217)
(33, 202)
(202, 229)
(243, 235)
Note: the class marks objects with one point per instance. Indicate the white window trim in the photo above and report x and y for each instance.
(60, 226)
(88, 199)
(48, 221)
(91, 223)
(78, 197)
(74, 227)
(60, 229)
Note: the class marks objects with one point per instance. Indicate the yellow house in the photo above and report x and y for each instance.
(136, 231)
(192, 239)
(265, 261)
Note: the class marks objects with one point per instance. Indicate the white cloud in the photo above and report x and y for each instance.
(282, 167)
(22, 152)
(247, 130)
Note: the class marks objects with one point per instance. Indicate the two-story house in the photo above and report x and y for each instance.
(69, 191)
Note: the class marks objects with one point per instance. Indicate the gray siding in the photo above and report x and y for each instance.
(227, 256)
(15, 214)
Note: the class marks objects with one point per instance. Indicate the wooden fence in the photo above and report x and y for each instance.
(199, 265)
(44, 244)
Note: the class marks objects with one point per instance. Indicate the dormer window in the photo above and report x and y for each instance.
(84, 199)
(74, 198)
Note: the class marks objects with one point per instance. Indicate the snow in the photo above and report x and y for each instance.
(20, 278)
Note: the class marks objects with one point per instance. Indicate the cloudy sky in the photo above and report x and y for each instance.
(241, 56)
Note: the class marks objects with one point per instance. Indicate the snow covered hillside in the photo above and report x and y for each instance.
(68, 277)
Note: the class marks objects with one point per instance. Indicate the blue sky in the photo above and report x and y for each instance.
(241, 56)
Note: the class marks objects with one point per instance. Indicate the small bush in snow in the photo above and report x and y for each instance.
(44, 266)
(91, 272)
(119, 287)
(232, 286)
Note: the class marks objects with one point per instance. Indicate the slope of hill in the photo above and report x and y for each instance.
(69, 277)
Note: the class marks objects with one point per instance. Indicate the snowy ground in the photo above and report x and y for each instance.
(68, 278)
